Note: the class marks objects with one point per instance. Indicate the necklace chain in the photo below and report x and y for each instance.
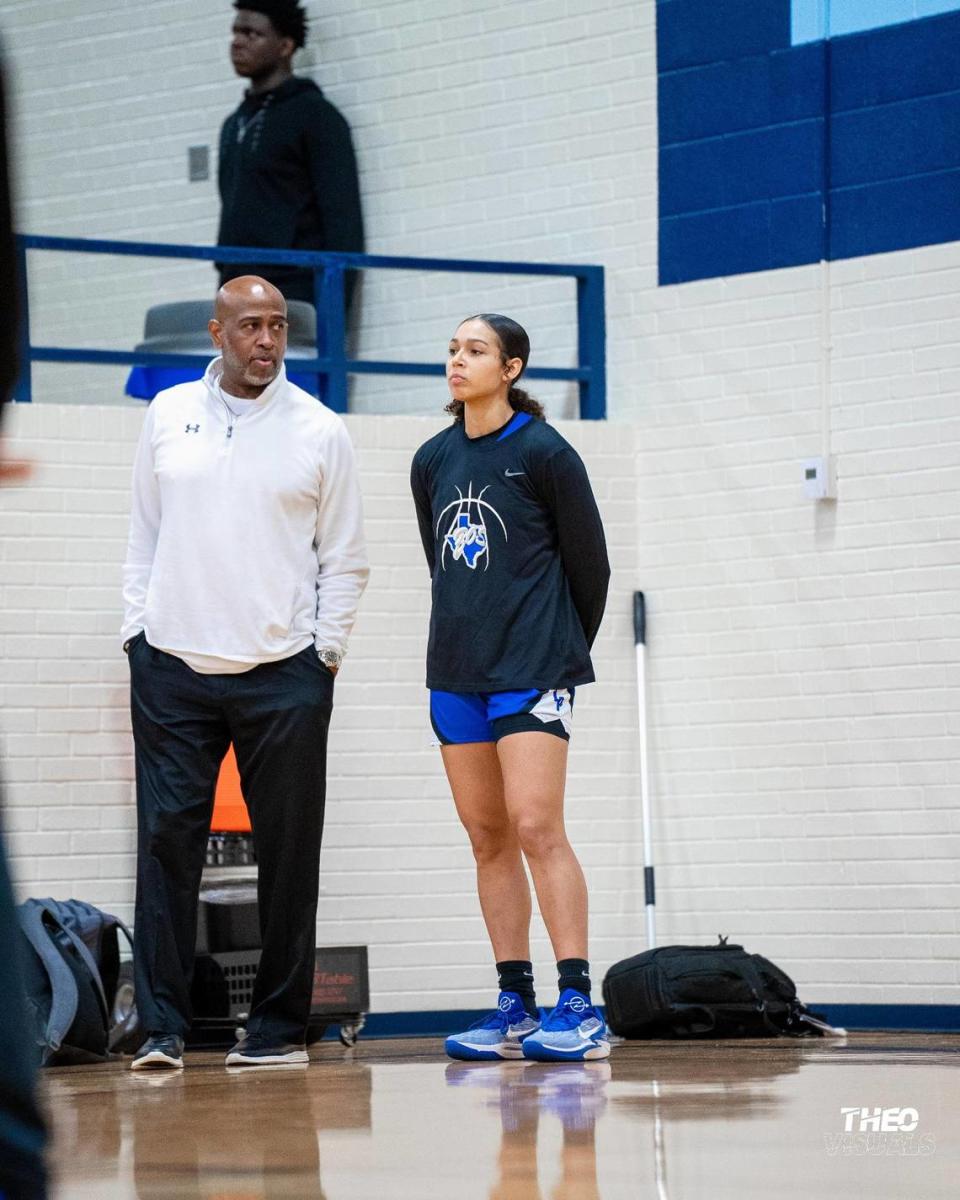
(256, 119)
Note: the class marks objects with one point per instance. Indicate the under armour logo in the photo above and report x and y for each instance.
(192, 429)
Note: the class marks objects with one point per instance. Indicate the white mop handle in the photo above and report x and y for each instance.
(640, 637)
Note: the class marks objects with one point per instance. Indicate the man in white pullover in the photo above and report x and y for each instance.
(244, 569)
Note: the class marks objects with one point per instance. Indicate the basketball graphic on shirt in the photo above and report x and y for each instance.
(467, 534)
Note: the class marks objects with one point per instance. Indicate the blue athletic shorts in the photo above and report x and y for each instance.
(459, 718)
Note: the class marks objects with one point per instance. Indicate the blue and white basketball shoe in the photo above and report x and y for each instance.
(500, 1035)
(573, 1031)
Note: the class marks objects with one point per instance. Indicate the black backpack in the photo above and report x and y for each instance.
(704, 991)
(70, 968)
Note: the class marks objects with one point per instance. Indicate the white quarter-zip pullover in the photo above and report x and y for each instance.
(245, 547)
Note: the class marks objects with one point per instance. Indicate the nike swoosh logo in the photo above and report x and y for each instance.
(512, 474)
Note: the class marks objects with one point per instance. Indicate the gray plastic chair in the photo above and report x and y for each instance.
(181, 328)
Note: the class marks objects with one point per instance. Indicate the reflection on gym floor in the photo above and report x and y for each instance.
(573, 1092)
(394, 1119)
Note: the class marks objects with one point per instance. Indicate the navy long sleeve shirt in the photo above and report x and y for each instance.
(517, 556)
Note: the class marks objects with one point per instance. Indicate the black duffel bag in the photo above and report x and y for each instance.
(707, 992)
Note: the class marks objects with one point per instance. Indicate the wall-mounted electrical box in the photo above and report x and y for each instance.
(198, 163)
(819, 478)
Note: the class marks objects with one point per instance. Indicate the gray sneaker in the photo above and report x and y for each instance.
(160, 1052)
(255, 1051)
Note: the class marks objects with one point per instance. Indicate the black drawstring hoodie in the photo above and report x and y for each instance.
(288, 180)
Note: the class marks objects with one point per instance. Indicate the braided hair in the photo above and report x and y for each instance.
(514, 343)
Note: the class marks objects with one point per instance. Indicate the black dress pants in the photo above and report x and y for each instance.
(277, 716)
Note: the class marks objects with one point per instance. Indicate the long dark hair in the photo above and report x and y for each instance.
(514, 343)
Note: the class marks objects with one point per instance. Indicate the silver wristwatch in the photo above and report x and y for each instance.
(331, 659)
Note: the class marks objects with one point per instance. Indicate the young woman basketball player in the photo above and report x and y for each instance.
(519, 567)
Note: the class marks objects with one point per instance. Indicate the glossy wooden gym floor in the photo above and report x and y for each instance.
(395, 1119)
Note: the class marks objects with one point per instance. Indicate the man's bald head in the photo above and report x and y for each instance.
(249, 328)
(246, 290)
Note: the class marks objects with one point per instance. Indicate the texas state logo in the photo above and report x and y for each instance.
(467, 536)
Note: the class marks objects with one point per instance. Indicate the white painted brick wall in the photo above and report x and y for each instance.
(804, 661)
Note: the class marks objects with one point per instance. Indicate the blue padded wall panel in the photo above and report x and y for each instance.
(692, 32)
(784, 160)
(752, 237)
(916, 137)
(741, 140)
(899, 63)
(895, 215)
(768, 89)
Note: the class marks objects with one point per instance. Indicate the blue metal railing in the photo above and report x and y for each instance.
(331, 364)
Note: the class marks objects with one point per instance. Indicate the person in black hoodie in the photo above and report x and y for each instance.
(287, 170)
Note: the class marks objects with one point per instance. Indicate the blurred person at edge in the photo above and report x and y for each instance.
(22, 1133)
(287, 171)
